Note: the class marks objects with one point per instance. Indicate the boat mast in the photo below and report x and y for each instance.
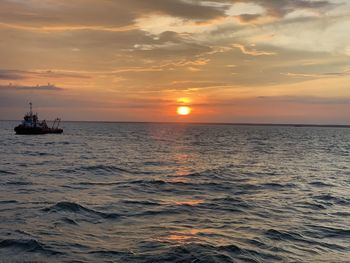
(31, 109)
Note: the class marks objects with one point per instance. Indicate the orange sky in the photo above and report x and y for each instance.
(136, 60)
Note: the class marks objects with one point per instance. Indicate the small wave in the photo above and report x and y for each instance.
(198, 252)
(58, 143)
(98, 183)
(315, 241)
(320, 184)
(107, 253)
(342, 214)
(76, 208)
(164, 211)
(197, 174)
(218, 173)
(331, 232)
(284, 235)
(135, 182)
(149, 182)
(156, 163)
(143, 202)
(69, 221)
(6, 172)
(155, 182)
(100, 169)
(312, 205)
(18, 183)
(231, 201)
(27, 245)
(31, 153)
(8, 202)
(107, 168)
(333, 199)
(278, 185)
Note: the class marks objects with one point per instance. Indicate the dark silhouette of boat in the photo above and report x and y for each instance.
(32, 125)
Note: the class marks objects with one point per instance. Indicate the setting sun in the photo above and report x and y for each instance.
(183, 110)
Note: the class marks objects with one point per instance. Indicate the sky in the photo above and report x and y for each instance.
(252, 61)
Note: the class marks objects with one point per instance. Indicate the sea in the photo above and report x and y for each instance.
(153, 192)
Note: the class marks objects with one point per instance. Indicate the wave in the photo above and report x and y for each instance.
(199, 252)
(163, 211)
(320, 184)
(100, 169)
(18, 183)
(284, 235)
(228, 200)
(79, 209)
(330, 232)
(8, 202)
(278, 185)
(6, 172)
(69, 221)
(26, 245)
(157, 163)
(143, 202)
(98, 183)
(321, 233)
(156, 182)
(32, 153)
(58, 143)
(312, 205)
(341, 214)
(135, 182)
(194, 185)
(107, 253)
(333, 199)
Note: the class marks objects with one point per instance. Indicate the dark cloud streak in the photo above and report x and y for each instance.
(48, 87)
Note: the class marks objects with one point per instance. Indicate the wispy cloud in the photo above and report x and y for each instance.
(48, 87)
(25, 74)
(11, 75)
(307, 99)
(252, 51)
(318, 75)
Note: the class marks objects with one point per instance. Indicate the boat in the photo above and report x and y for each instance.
(32, 125)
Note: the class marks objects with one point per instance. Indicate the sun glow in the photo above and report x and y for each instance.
(183, 110)
(184, 100)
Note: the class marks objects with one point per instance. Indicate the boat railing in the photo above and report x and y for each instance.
(56, 123)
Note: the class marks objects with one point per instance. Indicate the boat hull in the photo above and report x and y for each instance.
(36, 130)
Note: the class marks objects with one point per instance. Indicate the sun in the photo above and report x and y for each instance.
(183, 110)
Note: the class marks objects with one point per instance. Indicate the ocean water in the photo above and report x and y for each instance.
(119, 192)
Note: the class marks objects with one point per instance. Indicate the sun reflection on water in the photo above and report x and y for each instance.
(184, 236)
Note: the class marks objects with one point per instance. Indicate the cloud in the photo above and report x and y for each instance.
(318, 75)
(307, 99)
(252, 51)
(122, 13)
(11, 74)
(48, 87)
(110, 14)
(246, 18)
(279, 8)
(26, 74)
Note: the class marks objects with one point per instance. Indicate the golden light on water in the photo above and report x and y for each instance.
(183, 110)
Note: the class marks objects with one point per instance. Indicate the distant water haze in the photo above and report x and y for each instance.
(127, 192)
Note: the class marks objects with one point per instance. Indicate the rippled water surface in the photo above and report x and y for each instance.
(117, 192)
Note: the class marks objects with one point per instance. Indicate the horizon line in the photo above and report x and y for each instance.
(213, 123)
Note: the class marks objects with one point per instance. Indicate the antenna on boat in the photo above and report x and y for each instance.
(31, 108)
